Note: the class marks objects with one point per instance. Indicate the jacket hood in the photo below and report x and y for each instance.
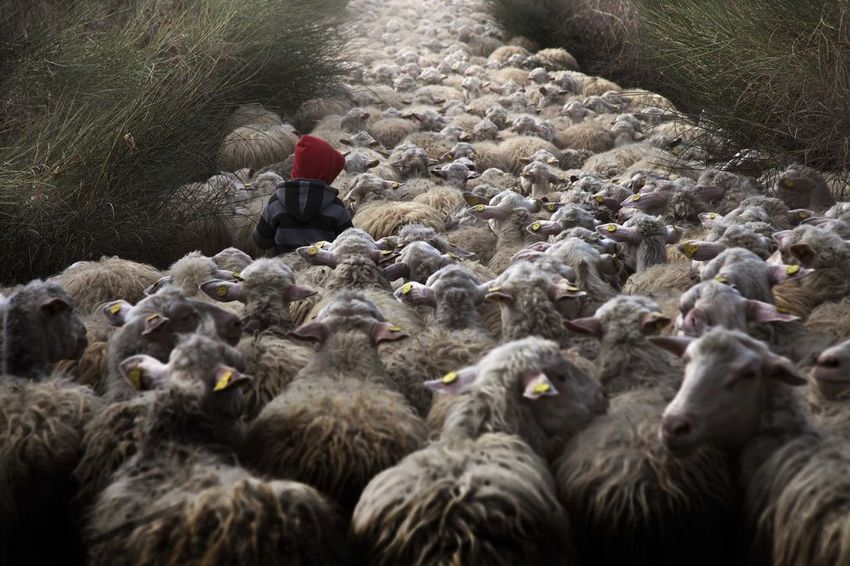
(316, 159)
(304, 200)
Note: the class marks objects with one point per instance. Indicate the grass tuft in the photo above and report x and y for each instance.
(107, 107)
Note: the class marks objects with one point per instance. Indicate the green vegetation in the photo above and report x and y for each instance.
(771, 75)
(107, 106)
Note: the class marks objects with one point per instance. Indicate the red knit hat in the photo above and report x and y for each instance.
(316, 159)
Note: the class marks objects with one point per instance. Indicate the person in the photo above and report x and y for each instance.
(306, 208)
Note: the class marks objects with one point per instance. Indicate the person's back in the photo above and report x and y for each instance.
(306, 209)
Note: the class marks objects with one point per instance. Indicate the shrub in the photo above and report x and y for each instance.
(773, 75)
(107, 106)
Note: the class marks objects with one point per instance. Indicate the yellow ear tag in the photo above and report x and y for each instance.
(721, 279)
(573, 289)
(789, 183)
(386, 252)
(612, 227)
(312, 250)
(406, 288)
(223, 381)
(320, 244)
(541, 388)
(802, 215)
(478, 208)
(494, 289)
(599, 198)
(152, 317)
(782, 310)
(535, 226)
(551, 207)
(635, 198)
(713, 215)
(689, 249)
(237, 275)
(222, 290)
(792, 269)
(394, 328)
(450, 377)
(115, 309)
(395, 185)
(135, 377)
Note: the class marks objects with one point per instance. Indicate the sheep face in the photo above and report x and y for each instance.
(721, 400)
(831, 375)
(713, 303)
(41, 316)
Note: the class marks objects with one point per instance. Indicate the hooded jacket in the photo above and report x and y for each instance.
(305, 209)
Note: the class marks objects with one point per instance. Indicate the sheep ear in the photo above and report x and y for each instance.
(116, 312)
(54, 306)
(486, 212)
(674, 344)
(224, 291)
(416, 294)
(619, 233)
(225, 274)
(372, 163)
(563, 289)
(387, 243)
(315, 255)
(474, 200)
(653, 323)
(386, 332)
(460, 252)
(454, 382)
(153, 322)
(227, 378)
(159, 284)
(781, 273)
(438, 173)
(590, 326)
(297, 293)
(758, 311)
(781, 236)
(497, 294)
(699, 250)
(345, 141)
(395, 271)
(315, 331)
(804, 252)
(537, 386)
(144, 372)
(780, 368)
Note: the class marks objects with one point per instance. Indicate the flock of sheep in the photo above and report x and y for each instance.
(553, 337)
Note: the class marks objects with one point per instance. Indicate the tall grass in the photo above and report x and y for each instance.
(768, 74)
(107, 106)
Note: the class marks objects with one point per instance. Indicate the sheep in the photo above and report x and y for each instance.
(803, 187)
(339, 422)
(410, 161)
(501, 423)
(509, 225)
(228, 259)
(41, 424)
(507, 155)
(537, 179)
(385, 219)
(828, 391)
(529, 300)
(183, 481)
(152, 327)
(712, 303)
(749, 273)
(252, 115)
(617, 480)
(593, 269)
(445, 200)
(256, 146)
(831, 320)
(188, 273)
(737, 396)
(643, 238)
(456, 338)
(566, 217)
(92, 283)
(390, 131)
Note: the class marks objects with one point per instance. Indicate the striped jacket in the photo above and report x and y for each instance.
(299, 213)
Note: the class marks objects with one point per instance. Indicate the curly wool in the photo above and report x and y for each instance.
(382, 219)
